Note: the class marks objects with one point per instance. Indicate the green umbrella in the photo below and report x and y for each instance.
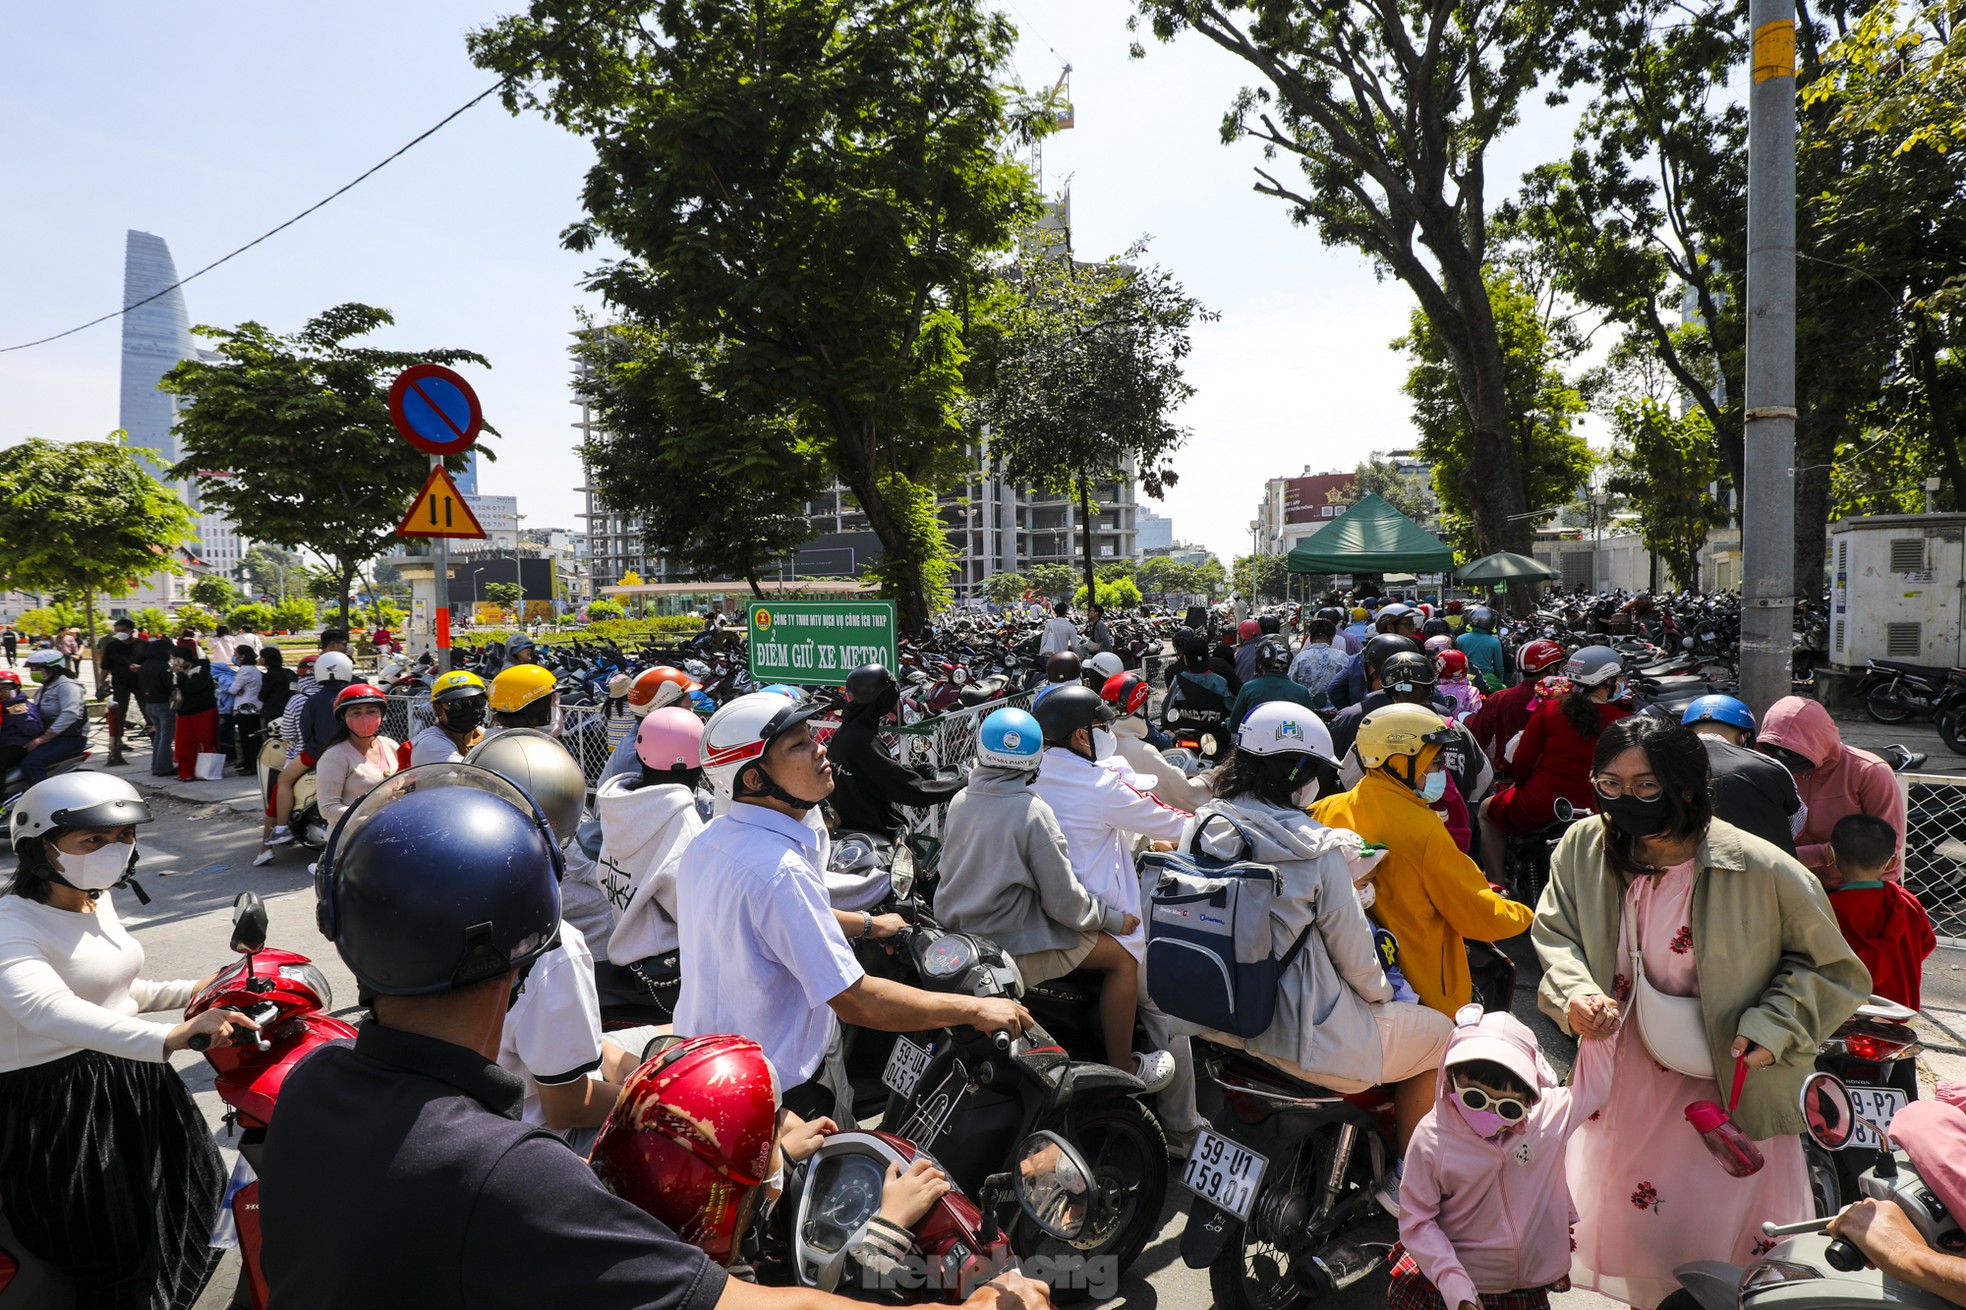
(1504, 566)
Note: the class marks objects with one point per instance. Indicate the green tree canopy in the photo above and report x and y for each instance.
(1053, 580)
(290, 437)
(604, 608)
(270, 570)
(1005, 588)
(505, 595)
(152, 620)
(193, 616)
(1663, 464)
(1114, 595)
(213, 592)
(806, 192)
(254, 615)
(1163, 575)
(296, 614)
(1408, 493)
(1261, 577)
(82, 517)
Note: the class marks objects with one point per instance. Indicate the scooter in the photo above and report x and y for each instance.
(11, 789)
(304, 821)
(1874, 1054)
(1805, 1269)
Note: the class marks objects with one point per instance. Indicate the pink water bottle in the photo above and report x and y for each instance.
(1724, 1138)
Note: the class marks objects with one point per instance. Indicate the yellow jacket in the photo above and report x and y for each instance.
(1430, 896)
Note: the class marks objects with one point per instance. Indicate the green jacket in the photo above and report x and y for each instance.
(1773, 965)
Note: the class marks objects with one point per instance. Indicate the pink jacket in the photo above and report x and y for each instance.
(1494, 1215)
(1845, 780)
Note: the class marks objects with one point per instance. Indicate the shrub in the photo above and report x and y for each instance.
(152, 620)
(1116, 594)
(604, 608)
(193, 616)
(295, 613)
(254, 615)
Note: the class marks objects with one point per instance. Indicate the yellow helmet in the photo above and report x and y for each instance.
(519, 686)
(1394, 730)
(1358, 613)
(456, 685)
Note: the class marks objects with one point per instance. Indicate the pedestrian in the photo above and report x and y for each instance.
(1098, 634)
(1884, 924)
(1727, 955)
(1059, 633)
(197, 708)
(248, 699)
(117, 657)
(10, 642)
(222, 646)
(154, 687)
(1319, 662)
(276, 684)
(1833, 779)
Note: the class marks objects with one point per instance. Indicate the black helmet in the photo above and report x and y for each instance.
(867, 684)
(1072, 706)
(1269, 623)
(1272, 655)
(1386, 645)
(1404, 670)
(1063, 667)
(1338, 616)
(485, 897)
(1481, 619)
(1436, 628)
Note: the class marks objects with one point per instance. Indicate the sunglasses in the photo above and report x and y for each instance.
(1511, 1109)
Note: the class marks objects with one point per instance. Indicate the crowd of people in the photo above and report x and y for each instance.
(1694, 924)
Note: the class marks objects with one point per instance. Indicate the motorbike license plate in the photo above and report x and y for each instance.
(1874, 1106)
(1224, 1174)
(905, 1066)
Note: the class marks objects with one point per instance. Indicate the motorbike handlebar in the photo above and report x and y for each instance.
(1001, 1039)
(1844, 1257)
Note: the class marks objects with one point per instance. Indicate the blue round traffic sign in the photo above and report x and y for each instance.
(435, 409)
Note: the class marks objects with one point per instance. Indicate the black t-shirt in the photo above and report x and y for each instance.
(1752, 792)
(869, 783)
(397, 1173)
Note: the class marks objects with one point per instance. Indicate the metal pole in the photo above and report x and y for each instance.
(1768, 490)
(440, 601)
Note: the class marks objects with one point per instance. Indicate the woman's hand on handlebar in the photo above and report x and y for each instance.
(216, 1026)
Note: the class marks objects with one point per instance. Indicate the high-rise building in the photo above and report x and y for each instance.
(467, 480)
(156, 335)
(1154, 535)
(497, 515)
(1296, 508)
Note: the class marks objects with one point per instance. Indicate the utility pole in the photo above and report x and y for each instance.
(1768, 490)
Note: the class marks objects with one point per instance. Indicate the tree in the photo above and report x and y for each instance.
(193, 616)
(1053, 580)
(296, 614)
(290, 437)
(1005, 588)
(1553, 461)
(806, 192)
(1211, 579)
(81, 517)
(1389, 111)
(1081, 373)
(1665, 464)
(255, 615)
(1406, 492)
(604, 608)
(1117, 594)
(1266, 576)
(1163, 575)
(213, 592)
(505, 595)
(270, 570)
(152, 620)
(1118, 568)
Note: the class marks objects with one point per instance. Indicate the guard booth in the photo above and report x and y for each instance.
(1895, 589)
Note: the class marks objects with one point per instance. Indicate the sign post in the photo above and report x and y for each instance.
(819, 642)
(436, 411)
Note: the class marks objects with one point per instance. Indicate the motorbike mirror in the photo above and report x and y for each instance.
(1563, 809)
(1054, 1185)
(1828, 1115)
(248, 924)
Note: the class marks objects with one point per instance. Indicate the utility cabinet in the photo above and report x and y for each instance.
(1895, 589)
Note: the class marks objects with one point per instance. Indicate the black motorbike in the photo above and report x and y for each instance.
(1893, 690)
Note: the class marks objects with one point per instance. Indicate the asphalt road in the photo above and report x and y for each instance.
(197, 857)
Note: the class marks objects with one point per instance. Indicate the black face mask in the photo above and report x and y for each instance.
(464, 715)
(1635, 817)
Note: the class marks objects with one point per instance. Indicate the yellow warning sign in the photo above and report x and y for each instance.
(439, 510)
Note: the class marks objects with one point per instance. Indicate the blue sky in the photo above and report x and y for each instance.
(209, 124)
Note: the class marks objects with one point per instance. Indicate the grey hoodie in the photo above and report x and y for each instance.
(1324, 1021)
(644, 828)
(1005, 873)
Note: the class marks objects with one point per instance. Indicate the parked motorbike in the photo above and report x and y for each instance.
(1894, 690)
(1875, 1056)
(11, 788)
(1949, 713)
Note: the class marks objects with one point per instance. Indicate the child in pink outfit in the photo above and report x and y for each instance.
(1484, 1207)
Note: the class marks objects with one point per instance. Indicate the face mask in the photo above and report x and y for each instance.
(1635, 817)
(1486, 1123)
(1304, 795)
(96, 870)
(1433, 788)
(124, 636)
(553, 724)
(1104, 744)
(461, 716)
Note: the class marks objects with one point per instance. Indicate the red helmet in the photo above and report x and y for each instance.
(690, 1139)
(1451, 664)
(1127, 692)
(1539, 655)
(1247, 629)
(9, 676)
(659, 686)
(358, 693)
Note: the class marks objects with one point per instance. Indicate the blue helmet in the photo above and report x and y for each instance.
(784, 689)
(1721, 709)
(1010, 739)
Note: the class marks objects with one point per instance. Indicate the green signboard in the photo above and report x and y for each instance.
(820, 641)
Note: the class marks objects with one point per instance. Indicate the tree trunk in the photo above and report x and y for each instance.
(346, 577)
(1085, 527)
(1815, 446)
(757, 592)
(900, 569)
(89, 632)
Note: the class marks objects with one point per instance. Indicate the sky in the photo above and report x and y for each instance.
(209, 124)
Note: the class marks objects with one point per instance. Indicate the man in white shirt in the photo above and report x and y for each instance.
(1101, 812)
(762, 954)
(1059, 632)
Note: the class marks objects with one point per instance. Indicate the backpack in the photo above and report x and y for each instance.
(1208, 936)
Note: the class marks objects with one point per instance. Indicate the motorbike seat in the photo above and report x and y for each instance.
(976, 693)
(1930, 672)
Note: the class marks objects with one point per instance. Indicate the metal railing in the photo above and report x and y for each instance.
(1935, 850)
(588, 731)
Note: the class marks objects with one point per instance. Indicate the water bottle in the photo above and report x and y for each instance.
(1724, 1138)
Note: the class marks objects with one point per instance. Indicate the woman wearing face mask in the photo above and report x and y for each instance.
(1552, 758)
(358, 756)
(1430, 897)
(111, 1175)
(1336, 1023)
(1721, 950)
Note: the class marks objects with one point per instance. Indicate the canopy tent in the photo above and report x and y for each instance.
(1503, 566)
(1371, 537)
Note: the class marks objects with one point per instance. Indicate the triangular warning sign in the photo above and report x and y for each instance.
(439, 510)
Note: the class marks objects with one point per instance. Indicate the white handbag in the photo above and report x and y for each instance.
(1674, 1027)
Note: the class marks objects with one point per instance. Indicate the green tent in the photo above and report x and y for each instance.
(1372, 537)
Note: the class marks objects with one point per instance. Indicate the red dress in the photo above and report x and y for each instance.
(1553, 759)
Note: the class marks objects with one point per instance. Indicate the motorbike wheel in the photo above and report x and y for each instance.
(1885, 705)
(1124, 1144)
(1949, 724)
(1825, 1183)
(1257, 1267)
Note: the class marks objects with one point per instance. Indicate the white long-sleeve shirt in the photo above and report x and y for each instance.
(1100, 812)
(68, 983)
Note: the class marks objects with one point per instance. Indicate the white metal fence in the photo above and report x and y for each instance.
(588, 731)
(1935, 849)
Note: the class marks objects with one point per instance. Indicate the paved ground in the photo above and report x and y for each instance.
(197, 858)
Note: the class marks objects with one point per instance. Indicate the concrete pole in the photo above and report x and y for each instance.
(1768, 491)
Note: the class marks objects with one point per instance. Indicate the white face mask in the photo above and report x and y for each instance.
(96, 870)
(553, 724)
(1104, 744)
(1434, 787)
(1304, 795)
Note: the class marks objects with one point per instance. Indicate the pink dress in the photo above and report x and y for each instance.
(1648, 1195)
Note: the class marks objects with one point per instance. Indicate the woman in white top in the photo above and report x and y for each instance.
(110, 1172)
(359, 756)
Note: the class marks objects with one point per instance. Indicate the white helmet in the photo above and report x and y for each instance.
(737, 734)
(76, 800)
(1106, 665)
(46, 659)
(1281, 727)
(334, 667)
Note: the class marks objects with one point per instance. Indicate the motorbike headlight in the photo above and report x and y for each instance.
(312, 978)
(1764, 1274)
(901, 870)
(948, 957)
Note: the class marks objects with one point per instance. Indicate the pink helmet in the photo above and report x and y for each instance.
(1435, 645)
(670, 738)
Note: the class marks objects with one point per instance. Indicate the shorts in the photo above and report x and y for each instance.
(1043, 966)
(1412, 1041)
(1411, 1290)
